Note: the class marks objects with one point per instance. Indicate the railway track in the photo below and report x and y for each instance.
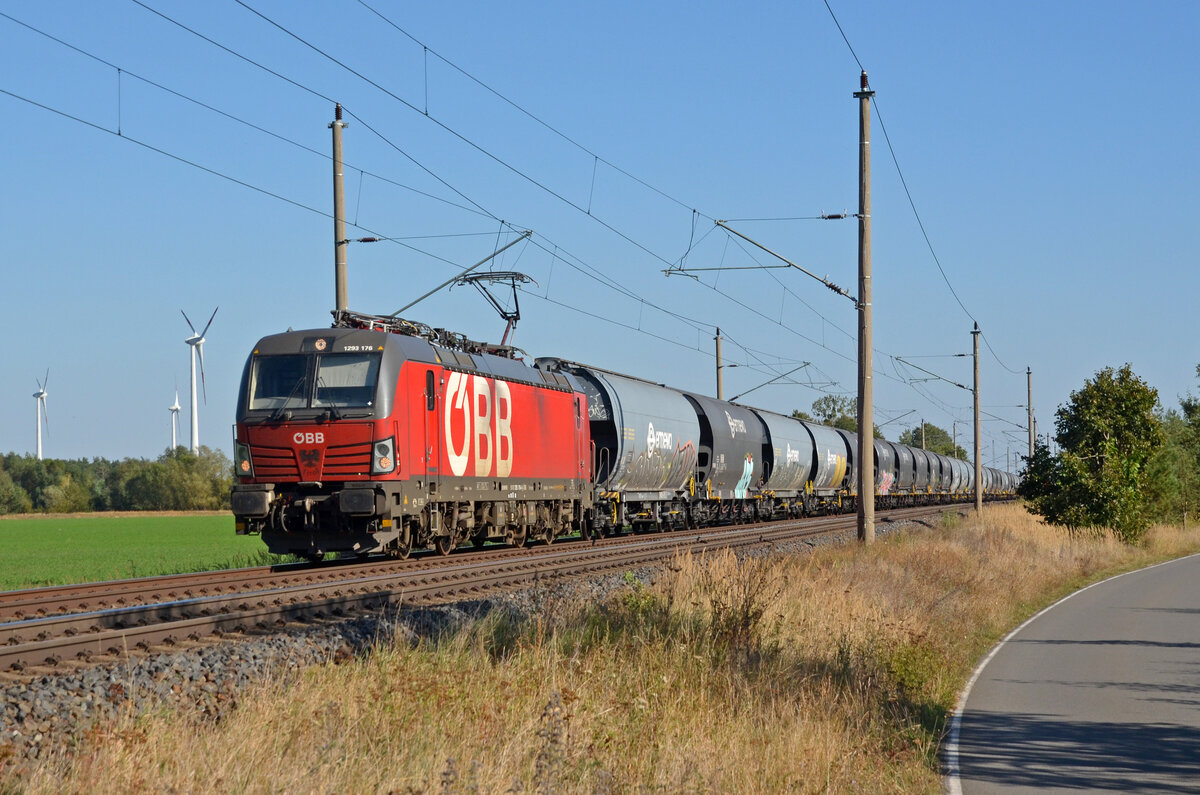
(91, 622)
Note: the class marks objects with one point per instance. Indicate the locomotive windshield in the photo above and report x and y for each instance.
(342, 380)
(346, 380)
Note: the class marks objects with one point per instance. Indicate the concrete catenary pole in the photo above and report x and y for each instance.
(978, 430)
(342, 301)
(720, 390)
(1029, 403)
(866, 386)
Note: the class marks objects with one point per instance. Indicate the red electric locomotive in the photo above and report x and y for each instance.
(383, 435)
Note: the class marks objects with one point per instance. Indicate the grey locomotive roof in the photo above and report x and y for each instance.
(408, 348)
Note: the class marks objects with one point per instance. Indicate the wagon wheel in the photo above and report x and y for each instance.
(444, 544)
(480, 536)
(400, 548)
(515, 535)
(313, 557)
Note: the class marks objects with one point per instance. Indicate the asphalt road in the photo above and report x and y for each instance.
(1099, 693)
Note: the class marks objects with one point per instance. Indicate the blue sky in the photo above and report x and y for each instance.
(1050, 150)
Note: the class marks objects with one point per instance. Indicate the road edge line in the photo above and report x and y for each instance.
(952, 785)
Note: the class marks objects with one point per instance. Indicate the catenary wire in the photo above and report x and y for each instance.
(449, 130)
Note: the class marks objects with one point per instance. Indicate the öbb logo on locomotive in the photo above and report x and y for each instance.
(478, 425)
(309, 437)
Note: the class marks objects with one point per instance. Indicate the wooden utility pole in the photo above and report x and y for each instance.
(866, 387)
(341, 299)
(720, 389)
(978, 431)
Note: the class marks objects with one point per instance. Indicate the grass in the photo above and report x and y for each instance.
(55, 550)
(835, 671)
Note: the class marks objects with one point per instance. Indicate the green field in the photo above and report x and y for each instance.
(54, 550)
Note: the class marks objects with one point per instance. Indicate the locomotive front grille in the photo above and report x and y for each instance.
(347, 461)
(341, 462)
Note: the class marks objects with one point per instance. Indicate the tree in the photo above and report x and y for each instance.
(936, 439)
(837, 411)
(13, 498)
(1107, 433)
(828, 409)
(66, 496)
(1173, 474)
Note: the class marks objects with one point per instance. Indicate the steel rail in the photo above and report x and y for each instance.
(51, 640)
(92, 596)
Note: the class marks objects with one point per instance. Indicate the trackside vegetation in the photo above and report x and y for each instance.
(1122, 461)
(834, 670)
(178, 480)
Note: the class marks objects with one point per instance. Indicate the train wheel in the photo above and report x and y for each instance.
(400, 548)
(444, 544)
(313, 557)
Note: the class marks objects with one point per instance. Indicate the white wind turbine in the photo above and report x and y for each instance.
(196, 343)
(174, 409)
(42, 414)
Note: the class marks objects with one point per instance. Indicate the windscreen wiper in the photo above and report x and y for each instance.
(283, 412)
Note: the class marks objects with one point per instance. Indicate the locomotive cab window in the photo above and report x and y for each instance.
(346, 380)
(278, 382)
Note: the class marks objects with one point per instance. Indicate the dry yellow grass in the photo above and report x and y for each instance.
(829, 672)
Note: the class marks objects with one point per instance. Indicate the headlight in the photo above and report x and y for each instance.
(383, 457)
(242, 465)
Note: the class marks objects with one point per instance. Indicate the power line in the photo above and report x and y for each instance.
(845, 38)
(432, 118)
(384, 138)
(588, 270)
(496, 158)
(231, 117)
(911, 203)
(215, 173)
(597, 158)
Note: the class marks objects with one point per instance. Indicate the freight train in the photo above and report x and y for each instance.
(385, 435)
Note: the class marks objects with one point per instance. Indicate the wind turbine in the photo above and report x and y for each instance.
(42, 414)
(174, 409)
(196, 343)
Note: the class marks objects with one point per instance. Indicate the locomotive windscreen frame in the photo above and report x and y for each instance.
(285, 381)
